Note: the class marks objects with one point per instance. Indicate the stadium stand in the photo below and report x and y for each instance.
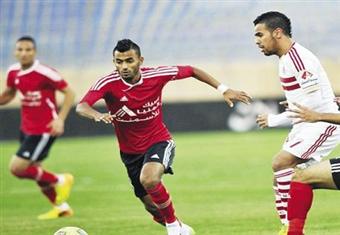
(74, 33)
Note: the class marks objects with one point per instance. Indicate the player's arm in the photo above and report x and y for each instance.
(273, 120)
(57, 125)
(307, 115)
(85, 110)
(7, 95)
(229, 95)
(69, 96)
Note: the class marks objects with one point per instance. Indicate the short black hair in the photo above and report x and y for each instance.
(125, 45)
(274, 20)
(28, 38)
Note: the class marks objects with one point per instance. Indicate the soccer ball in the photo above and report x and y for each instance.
(70, 231)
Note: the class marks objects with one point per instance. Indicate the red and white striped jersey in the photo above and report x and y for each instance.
(304, 80)
(37, 86)
(137, 108)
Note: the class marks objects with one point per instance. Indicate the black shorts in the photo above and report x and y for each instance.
(335, 168)
(162, 152)
(35, 147)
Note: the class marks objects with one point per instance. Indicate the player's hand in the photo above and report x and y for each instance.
(57, 127)
(262, 120)
(284, 103)
(231, 95)
(303, 114)
(104, 117)
(337, 100)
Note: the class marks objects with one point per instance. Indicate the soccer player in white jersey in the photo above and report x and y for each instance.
(304, 81)
(324, 175)
(133, 96)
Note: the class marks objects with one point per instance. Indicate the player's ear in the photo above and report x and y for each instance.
(277, 33)
(141, 59)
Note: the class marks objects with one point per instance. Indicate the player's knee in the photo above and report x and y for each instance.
(299, 176)
(277, 164)
(281, 162)
(148, 181)
(296, 177)
(17, 170)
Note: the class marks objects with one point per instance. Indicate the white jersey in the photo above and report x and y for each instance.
(304, 80)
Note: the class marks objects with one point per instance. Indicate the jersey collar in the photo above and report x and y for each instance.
(26, 71)
(133, 85)
(291, 47)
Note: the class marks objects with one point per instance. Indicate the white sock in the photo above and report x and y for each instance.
(186, 230)
(64, 206)
(283, 178)
(173, 228)
(278, 204)
(61, 179)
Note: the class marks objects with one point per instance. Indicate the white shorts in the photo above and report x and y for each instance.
(312, 140)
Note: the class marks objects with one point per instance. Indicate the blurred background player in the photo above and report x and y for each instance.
(325, 175)
(133, 95)
(41, 124)
(303, 80)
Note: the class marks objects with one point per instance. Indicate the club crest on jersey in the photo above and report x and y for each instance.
(306, 75)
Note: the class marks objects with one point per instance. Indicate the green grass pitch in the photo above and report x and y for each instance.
(221, 186)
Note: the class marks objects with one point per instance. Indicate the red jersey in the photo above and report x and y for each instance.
(37, 86)
(137, 108)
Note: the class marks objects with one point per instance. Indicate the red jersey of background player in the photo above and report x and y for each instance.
(37, 86)
(137, 108)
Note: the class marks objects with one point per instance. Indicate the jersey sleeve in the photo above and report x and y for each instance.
(184, 72)
(281, 119)
(55, 80)
(307, 72)
(59, 85)
(92, 96)
(170, 73)
(10, 79)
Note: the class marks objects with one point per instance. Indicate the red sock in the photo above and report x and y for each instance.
(161, 198)
(301, 197)
(159, 220)
(38, 174)
(48, 190)
(296, 227)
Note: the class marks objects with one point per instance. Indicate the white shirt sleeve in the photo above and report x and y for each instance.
(281, 119)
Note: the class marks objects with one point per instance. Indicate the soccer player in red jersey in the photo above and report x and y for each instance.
(41, 123)
(324, 175)
(133, 96)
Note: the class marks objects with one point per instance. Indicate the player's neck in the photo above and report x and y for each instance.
(133, 80)
(285, 47)
(27, 66)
